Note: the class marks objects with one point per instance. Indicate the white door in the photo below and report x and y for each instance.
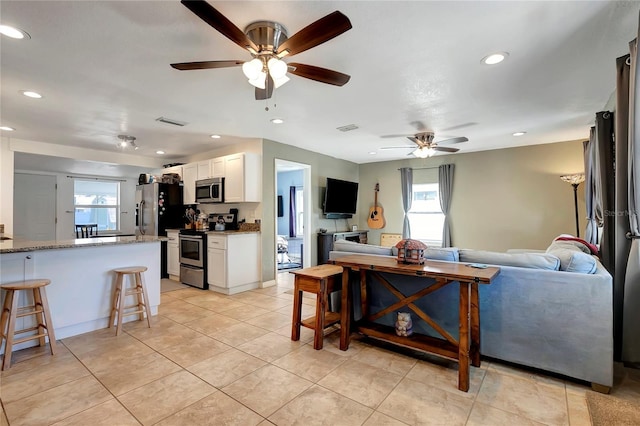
(34, 207)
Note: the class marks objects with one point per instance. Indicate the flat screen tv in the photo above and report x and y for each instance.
(340, 199)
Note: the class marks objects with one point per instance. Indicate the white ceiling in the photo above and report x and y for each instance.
(103, 68)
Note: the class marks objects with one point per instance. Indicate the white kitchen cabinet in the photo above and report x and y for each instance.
(217, 167)
(189, 176)
(204, 170)
(174, 169)
(233, 262)
(173, 254)
(242, 178)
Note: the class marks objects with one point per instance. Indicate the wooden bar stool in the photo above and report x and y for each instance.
(11, 311)
(319, 280)
(120, 292)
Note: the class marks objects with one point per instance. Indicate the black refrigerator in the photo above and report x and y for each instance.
(158, 208)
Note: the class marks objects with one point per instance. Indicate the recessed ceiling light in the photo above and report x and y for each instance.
(277, 120)
(159, 152)
(215, 136)
(519, 133)
(31, 94)
(372, 152)
(7, 128)
(14, 32)
(495, 58)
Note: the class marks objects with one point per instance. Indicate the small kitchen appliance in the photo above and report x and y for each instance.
(224, 221)
(210, 190)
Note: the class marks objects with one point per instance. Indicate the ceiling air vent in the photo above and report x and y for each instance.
(171, 121)
(347, 128)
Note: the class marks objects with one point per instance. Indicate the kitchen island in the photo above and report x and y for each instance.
(81, 279)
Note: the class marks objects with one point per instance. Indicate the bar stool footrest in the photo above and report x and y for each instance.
(330, 318)
(26, 339)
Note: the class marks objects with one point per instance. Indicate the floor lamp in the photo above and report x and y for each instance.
(575, 180)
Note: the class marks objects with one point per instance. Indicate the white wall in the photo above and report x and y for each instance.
(6, 186)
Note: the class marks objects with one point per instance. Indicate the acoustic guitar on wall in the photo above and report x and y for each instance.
(376, 217)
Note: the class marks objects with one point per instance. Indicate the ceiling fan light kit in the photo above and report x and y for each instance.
(427, 146)
(424, 152)
(127, 141)
(268, 43)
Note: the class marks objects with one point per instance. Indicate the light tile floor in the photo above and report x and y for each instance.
(212, 359)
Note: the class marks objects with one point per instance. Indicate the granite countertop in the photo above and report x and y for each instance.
(15, 246)
(226, 232)
(231, 232)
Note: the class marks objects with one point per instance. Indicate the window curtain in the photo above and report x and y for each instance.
(623, 124)
(631, 309)
(445, 186)
(406, 185)
(292, 211)
(605, 184)
(590, 192)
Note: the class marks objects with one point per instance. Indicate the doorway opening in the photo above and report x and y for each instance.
(293, 206)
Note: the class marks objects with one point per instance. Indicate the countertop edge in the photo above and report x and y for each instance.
(18, 246)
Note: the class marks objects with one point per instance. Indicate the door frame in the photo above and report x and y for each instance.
(306, 216)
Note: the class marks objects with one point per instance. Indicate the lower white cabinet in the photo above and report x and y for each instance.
(173, 254)
(233, 262)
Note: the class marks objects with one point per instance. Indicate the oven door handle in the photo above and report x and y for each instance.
(190, 238)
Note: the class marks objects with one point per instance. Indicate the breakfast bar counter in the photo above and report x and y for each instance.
(81, 279)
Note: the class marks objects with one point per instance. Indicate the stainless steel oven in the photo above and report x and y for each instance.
(193, 259)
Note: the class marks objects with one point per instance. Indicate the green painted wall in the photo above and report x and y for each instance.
(502, 199)
(322, 166)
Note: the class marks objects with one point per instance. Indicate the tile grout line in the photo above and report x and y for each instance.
(101, 384)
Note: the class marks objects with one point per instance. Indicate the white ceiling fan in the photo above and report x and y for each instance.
(426, 146)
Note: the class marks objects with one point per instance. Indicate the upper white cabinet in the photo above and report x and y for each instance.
(204, 170)
(242, 178)
(174, 169)
(189, 177)
(242, 173)
(217, 167)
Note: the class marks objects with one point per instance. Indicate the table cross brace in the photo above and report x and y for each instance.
(407, 301)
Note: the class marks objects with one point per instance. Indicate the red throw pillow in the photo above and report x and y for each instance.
(592, 247)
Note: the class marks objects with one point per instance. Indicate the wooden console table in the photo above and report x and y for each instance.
(466, 350)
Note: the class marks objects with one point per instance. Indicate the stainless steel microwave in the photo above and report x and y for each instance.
(210, 190)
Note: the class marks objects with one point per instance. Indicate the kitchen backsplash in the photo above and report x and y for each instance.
(246, 211)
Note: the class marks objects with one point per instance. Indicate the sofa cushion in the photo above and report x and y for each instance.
(524, 260)
(351, 246)
(450, 254)
(572, 257)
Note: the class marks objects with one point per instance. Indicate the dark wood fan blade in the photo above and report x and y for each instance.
(419, 125)
(322, 75)
(444, 149)
(185, 66)
(262, 94)
(322, 30)
(454, 140)
(217, 20)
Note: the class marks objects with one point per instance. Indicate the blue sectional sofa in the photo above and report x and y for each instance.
(534, 313)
